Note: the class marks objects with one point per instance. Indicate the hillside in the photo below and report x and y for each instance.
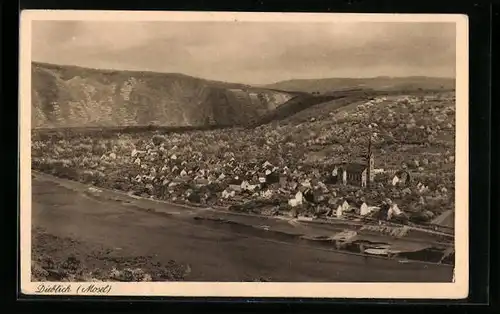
(376, 83)
(70, 96)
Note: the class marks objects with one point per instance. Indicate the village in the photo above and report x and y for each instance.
(165, 150)
(332, 166)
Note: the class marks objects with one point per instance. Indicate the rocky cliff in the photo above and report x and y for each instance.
(70, 96)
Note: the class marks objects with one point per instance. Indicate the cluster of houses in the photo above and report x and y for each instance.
(164, 173)
(228, 166)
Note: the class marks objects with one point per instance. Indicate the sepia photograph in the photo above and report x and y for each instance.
(244, 154)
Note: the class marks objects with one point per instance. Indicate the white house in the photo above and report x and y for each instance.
(339, 211)
(345, 206)
(364, 209)
(299, 197)
(395, 180)
(393, 211)
(226, 194)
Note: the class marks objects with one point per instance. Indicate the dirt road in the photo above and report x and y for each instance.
(215, 251)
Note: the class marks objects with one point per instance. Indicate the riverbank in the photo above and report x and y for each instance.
(66, 208)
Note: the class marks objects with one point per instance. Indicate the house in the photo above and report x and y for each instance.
(393, 211)
(356, 173)
(345, 206)
(339, 211)
(226, 194)
(236, 185)
(395, 180)
(352, 174)
(364, 209)
(297, 200)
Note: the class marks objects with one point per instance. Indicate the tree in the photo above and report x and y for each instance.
(158, 139)
(419, 217)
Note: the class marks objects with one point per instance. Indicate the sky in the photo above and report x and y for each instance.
(251, 52)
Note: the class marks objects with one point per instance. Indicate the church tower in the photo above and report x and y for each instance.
(370, 163)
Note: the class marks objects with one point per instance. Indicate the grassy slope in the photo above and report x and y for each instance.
(376, 83)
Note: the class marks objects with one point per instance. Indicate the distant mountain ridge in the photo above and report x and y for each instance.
(381, 83)
(72, 96)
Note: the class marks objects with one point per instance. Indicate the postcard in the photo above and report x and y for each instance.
(236, 154)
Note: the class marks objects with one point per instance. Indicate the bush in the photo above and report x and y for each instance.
(98, 149)
(158, 139)
(87, 176)
(419, 218)
(402, 218)
(65, 172)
